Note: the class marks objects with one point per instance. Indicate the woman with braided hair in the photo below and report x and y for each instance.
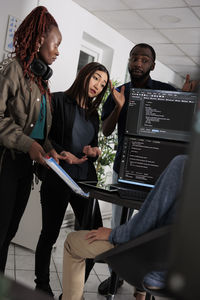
(25, 116)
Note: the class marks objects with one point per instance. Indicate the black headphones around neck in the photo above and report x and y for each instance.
(39, 68)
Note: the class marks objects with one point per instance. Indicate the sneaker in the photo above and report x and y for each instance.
(45, 288)
(104, 286)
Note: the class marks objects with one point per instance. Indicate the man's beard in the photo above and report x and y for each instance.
(138, 78)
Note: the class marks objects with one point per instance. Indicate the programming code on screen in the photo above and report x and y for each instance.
(161, 114)
(147, 158)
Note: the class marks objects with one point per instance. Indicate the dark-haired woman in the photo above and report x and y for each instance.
(25, 117)
(74, 133)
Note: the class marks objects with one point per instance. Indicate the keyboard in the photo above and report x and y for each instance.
(132, 194)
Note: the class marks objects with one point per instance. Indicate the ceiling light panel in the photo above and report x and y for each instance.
(171, 18)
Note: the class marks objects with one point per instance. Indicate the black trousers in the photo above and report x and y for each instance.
(15, 186)
(55, 196)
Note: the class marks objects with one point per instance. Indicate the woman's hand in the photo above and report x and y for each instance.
(72, 159)
(55, 155)
(36, 152)
(118, 96)
(101, 234)
(91, 151)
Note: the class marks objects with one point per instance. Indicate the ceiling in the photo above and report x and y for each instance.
(172, 27)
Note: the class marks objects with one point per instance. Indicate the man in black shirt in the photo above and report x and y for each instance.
(141, 62)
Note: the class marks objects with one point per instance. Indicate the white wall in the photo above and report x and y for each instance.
(16, 8)
(74, 22)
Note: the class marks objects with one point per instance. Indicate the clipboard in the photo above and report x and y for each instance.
(64, 176)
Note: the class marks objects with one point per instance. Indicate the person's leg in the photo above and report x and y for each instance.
(115, 221)
(83, 209)
(15, 187)
(76, 250)
(140, 295)
(54, 200)
(116, 209)
(96, 222)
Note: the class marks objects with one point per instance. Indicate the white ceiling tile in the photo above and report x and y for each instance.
(171, 18)
(190, 49)
(182, 36)
(196, 59)
(143, 36)
(93, 5)
(192, 2)
(172, 27)
(139, 4)
(122, 19)
(166, 49)
(197, 10)
(176, 60)
(194, 71)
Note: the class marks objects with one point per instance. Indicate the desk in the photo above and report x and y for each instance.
(111, 197)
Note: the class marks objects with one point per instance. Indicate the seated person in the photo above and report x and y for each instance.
(157, 210)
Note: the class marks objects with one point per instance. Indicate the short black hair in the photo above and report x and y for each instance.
(143, 45)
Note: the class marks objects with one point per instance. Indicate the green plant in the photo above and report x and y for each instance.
(107, 145)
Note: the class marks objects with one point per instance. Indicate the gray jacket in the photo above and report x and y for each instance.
(19, 108)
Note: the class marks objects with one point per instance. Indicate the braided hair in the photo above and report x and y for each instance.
(27, 39)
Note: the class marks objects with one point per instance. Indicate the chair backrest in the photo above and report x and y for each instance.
(134, 259)
(183, 276)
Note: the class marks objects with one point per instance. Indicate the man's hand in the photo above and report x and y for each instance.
(72, 159)
(36, 152)
(101, 234)
(189, 85)
(91, 151)
(118, 96)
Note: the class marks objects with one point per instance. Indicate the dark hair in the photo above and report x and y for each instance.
(27, 38)
(79, 89)
(143, 45)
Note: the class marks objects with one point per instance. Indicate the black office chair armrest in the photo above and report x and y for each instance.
(136, 258)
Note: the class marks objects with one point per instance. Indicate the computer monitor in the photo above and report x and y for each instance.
(158, 128)
(144, 159)
(160, 114)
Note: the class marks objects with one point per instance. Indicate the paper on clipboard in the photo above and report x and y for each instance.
(61, 172)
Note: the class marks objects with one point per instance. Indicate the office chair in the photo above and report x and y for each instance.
(134, 259)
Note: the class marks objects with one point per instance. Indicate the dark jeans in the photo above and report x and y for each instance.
(15, 186)
(55, 196)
